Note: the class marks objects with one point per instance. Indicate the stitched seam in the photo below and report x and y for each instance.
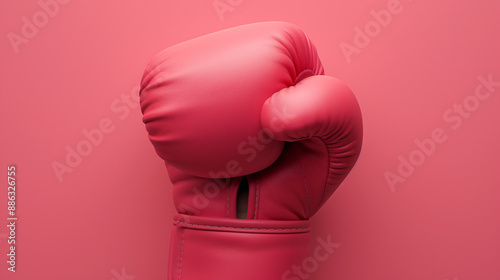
(307, 191)
(263, 229)
(327, 169)
(228, 199)
(182, 251)
(256, 199)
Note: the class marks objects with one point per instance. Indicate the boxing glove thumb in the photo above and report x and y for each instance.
(323, 114)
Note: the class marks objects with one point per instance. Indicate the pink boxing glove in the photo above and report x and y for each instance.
(255, 139)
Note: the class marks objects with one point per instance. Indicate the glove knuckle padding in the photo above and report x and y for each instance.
(201, 99)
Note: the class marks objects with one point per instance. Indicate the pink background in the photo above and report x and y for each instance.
(110, 217)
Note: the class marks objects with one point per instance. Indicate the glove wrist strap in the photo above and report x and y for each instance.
(204, 248)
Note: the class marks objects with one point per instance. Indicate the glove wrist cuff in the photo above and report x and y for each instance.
(235, 248)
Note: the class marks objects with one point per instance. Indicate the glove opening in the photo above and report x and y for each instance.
(242, 199)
